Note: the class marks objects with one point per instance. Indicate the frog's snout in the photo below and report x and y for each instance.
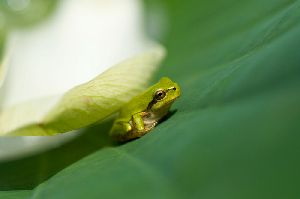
(177, 90)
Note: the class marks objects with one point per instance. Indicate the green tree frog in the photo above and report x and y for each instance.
(143, 112)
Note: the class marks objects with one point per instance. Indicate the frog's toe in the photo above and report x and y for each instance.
(127, 127)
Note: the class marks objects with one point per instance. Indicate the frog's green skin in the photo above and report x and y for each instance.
(144, 111)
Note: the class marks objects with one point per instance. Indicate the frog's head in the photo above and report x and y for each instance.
(164, 93)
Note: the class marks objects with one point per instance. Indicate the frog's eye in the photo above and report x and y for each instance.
(159, 94)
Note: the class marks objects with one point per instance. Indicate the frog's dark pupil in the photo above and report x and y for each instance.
(160, 95)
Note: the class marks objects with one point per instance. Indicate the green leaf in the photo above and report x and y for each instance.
(22, 194)
(236, 130)
(85, 104)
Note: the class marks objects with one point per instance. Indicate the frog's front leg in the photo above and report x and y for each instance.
(126, 126)
(132, 129)
(138, 121)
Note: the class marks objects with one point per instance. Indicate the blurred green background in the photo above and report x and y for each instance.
(235, 133)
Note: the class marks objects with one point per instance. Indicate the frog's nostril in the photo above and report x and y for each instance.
(171, 88)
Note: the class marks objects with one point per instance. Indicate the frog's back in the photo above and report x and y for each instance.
(135, 105)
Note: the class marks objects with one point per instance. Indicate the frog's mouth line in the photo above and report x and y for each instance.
(171, 101)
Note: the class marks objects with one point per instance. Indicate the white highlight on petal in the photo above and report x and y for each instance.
(82, 39)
